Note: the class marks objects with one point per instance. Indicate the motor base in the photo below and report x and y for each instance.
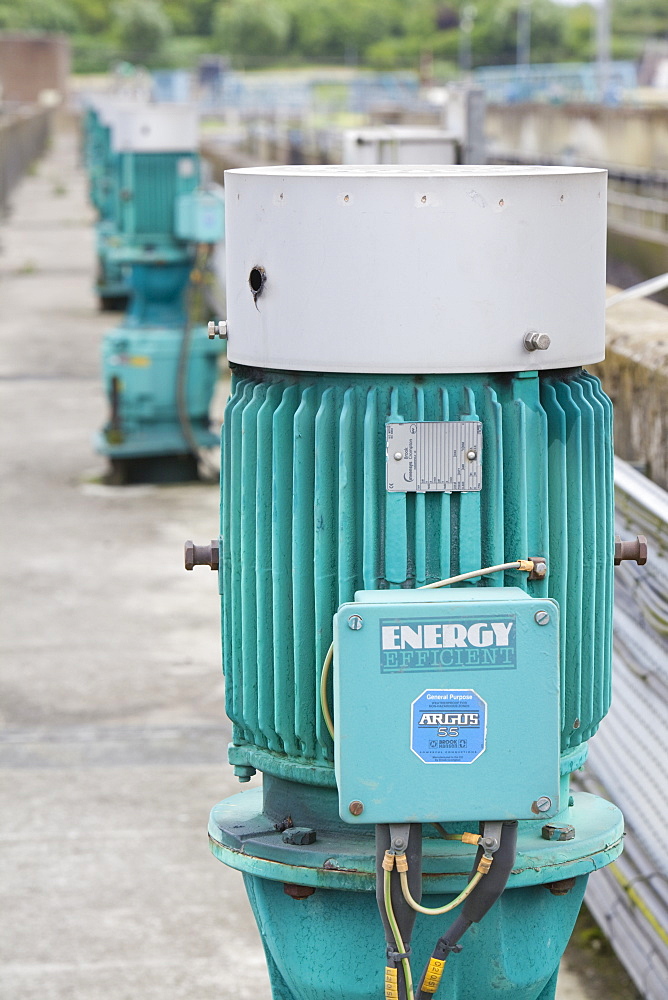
(311, 882)
(330, 945)
(152, 469)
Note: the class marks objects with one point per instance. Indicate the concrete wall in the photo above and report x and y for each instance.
(31, 64)
(24, 135)
(627, 137)
(635, 376)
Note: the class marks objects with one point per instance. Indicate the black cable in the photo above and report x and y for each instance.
(474, 908)
(404, 914)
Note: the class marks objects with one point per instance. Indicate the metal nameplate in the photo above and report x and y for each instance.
(434, 455)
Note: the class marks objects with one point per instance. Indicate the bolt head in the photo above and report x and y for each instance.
(298, 891)
(244, 772)
(551, 832)
(535, 341)
(471, 454)
(356, 808)
(561, 888)
(541, 618)
(217, 329)
(355, 623)
(539, 570)
(542, 804)
(299, 836)
(398, 455)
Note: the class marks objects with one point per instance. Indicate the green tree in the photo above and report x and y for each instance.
(579, 32)
(143, 28)
(252, 28)
(39, 15)
(191, 17)
(335, 28)
(94, 16)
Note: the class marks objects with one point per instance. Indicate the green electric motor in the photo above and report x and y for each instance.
(415, 562)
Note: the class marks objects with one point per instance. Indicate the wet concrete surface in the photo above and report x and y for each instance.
(112, 725)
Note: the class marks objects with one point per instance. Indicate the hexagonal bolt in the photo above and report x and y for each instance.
(202, 555)
(218, 329)
(539, 571)
(634, 550)
(299, 835)
(552, 832)
(244, 772)
(298, 891)
(561, 888)
(534, 341)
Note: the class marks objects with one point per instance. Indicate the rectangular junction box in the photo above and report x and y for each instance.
(446, 705)
(200, 217)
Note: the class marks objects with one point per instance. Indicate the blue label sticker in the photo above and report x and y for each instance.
(435, 644)
(448, 726)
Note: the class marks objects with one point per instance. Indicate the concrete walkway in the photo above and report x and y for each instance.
(113, 732)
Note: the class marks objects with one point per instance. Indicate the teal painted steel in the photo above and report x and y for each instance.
(149, 185)
(151, 215)
(329, 945)
(308, 484)
(140, 378)
(200, 217)
(101, 163)
(245, 833)
(393, 754)
(307, 525)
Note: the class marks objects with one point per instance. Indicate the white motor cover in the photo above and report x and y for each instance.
(155, 128)
(398, 144)
(415, 269)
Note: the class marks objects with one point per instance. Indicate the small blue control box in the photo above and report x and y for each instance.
(446, 705)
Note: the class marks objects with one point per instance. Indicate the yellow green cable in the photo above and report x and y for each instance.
(394, 927)
(525, 565)
(436, 911)
(329, 722)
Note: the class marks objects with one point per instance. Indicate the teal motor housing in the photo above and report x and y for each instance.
(461, 708)
(159, 366)
(310, 535)
(100, 160)
(141, 383)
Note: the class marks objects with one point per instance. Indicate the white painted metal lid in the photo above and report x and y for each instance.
(398, 144)
(415, 269)
(155, 128)
(108, 106)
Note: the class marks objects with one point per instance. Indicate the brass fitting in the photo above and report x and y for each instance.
(485, 864)
(401, 863)
(470, 838)
(388, 861)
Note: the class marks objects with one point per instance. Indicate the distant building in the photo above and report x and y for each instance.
(653, 71)
(32, 66)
